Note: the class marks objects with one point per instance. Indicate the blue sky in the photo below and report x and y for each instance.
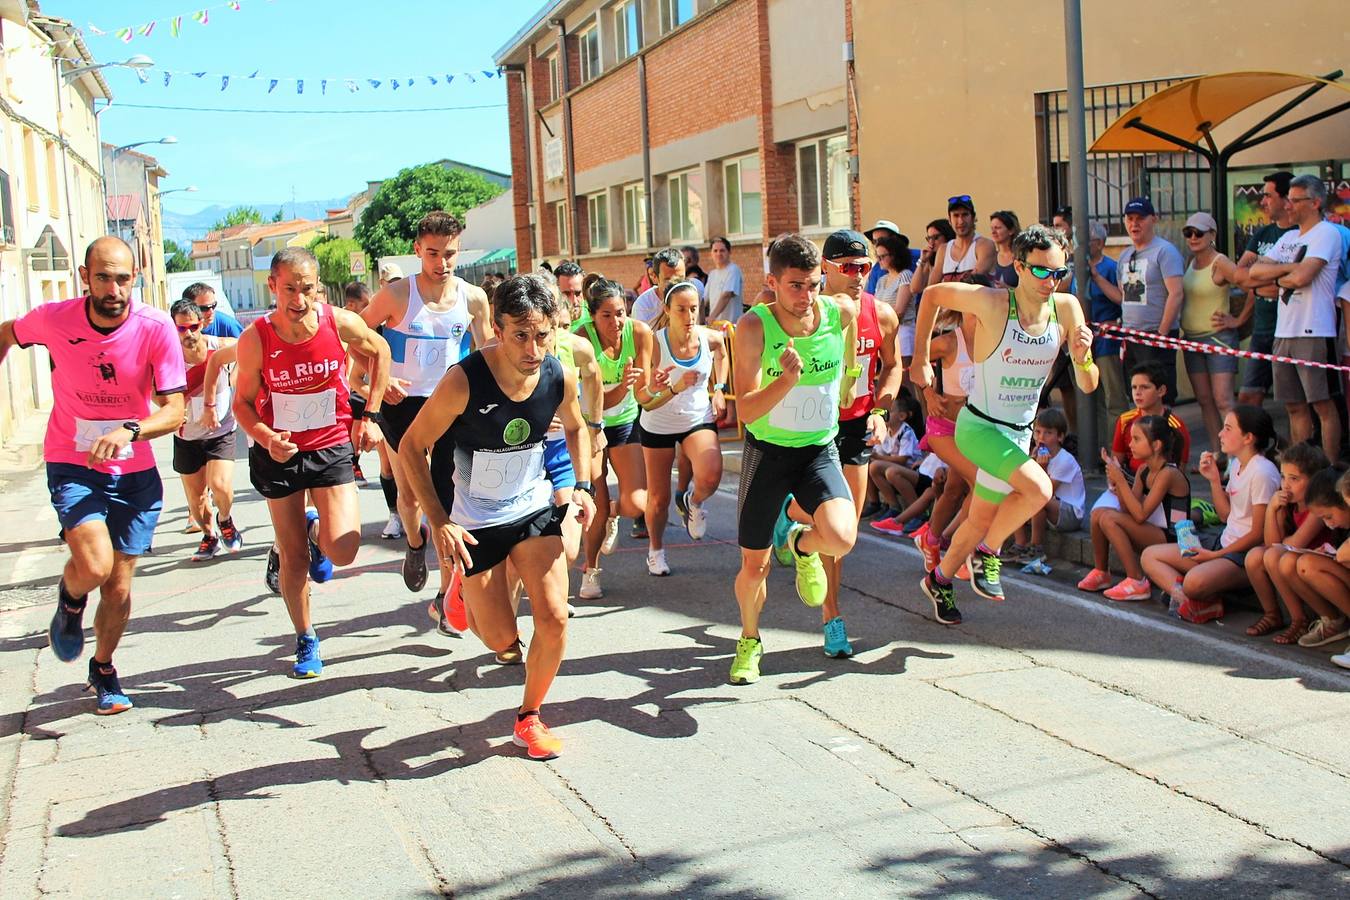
(244, 158)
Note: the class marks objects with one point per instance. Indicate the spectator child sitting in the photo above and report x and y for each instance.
(1327, 581)
(1064, 510)
(1146, 509)
(1197, 583)
(1148, 389)
(1290, 523)
(892, 470)
(932, 480)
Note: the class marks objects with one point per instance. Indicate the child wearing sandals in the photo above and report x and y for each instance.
(1145, 513)
(1197, 583)
(1326, 580)
(1305, 481)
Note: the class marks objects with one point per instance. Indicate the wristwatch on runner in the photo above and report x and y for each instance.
(884, 413)
(134, 428)
(584, 486)
(720, 387)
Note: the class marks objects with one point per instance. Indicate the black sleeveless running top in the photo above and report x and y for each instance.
(1169, 501)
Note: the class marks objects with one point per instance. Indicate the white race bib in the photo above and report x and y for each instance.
(807, 408)
(304, 412)
(89, 430)
(503, 475)
(862, 387)
(426, 359)
(618, 407)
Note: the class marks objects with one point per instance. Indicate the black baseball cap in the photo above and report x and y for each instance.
(844, 244)
(1140, 205)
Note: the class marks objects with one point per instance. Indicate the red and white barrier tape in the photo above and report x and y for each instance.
(1153, 339)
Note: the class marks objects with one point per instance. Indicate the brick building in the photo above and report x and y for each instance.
(642, 124)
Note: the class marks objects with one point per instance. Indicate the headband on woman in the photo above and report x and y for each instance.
(676, 286)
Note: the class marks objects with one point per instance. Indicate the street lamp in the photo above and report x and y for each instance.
(118, 151)
(138, 62)
(190, 189)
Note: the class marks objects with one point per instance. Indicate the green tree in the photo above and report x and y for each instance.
(279, 215)
(335, 260)
(240, 215)
(176, 257)
(388, 224)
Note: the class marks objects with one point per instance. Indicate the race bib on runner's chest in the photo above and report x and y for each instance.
(89, 430)
(426, 359)
(505, 474)
(863, 386)
(807, 408)
(304, 412)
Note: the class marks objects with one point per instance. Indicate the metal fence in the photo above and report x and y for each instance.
(1178, 183)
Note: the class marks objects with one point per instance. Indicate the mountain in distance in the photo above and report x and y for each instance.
(183, 227)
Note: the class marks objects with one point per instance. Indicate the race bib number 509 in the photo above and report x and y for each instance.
(304, 412)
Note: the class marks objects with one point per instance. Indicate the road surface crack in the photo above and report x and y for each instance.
(599, 817)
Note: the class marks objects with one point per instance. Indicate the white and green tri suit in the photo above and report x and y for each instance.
(993, 429)
(791, 448)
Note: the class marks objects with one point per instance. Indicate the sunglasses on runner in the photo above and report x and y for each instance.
(207, 307)
(1190, 233)
(1044, 272)
(184, 329)
(853, 268)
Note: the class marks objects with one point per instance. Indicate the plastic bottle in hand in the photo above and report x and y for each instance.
(1188, 542)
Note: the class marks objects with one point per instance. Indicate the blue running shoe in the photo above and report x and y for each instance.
(836, 639)
(103, 682)
(320, 566)
(66, 633)
(307, 661)
(780, 535)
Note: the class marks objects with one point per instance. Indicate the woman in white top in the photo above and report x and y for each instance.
(678, 408)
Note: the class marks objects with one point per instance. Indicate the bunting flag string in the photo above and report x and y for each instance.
(145, 29)
(353, 83)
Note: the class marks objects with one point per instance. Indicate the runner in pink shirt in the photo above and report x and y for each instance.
(112, 357)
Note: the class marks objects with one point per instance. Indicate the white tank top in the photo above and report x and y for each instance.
(959, 375)
(191, 429)
(1008, 383)
(965, 264)
(425, 342)
(692, 406)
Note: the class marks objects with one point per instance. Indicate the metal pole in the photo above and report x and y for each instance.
(1078, 196)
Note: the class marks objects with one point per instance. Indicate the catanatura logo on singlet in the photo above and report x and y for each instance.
(516, 432)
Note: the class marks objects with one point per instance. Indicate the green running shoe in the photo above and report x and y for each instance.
(745, 667)
(985, 569)
(811, 581)
(836, 639)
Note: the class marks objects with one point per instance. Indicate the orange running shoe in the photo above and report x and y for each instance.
(532, 734)
(456, 617)
(963, 573)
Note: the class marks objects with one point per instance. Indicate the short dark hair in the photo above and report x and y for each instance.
(792, 251)
(440, 224)
(942, 225)
(1307, 458)
(1325, 488)
(1053, 417)
(197, 289)
(1065, 213)
(693, 250)
(669, 256)
(1152, 371)
(1281, 181)
(294, 257)
(355, 290)
(185, 307)
(720, 240)
(567, 268)
(1038, 237)
(519, 296)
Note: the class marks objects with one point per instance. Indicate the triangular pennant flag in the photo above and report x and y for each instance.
(372, 82)
(352, 86)
(488, 73)
(142, 76)
(198, 74)
(432, 79)
(299, 85)
(96, 31)
(501, 73)
(271, 85)
(254, 74)
(448, 79)
(167, 76)
(145, 29)
(394, 82)
(323, 86)
(224, 82)
(175, 25)
(410, 82)
(469, 75)
(234, 5)
(125, 34)
(202, 15)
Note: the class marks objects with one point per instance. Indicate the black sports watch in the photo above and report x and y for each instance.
(584, 486)
(134, 428)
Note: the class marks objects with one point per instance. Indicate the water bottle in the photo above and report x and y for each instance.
(1188, 542)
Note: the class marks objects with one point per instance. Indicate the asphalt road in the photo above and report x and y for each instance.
(1054, 745)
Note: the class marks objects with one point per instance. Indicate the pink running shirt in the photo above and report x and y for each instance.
(102, 380)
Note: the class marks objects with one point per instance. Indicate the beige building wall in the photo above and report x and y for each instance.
(946, 90)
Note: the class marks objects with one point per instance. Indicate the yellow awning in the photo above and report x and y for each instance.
(1183, 108)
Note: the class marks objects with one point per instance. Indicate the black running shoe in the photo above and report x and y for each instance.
(66, 633)
(984, 574)
(415, 562)
(273, 576)
(639, 532)
(943, 599)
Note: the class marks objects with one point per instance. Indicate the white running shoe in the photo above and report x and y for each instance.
(393, 530)
(611, 535)
(656, 563)
(590, 585)
(697, 523)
